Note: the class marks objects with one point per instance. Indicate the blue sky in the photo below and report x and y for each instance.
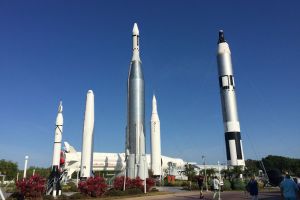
(54, 50)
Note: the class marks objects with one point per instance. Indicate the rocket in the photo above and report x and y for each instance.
(54, 178)
(87, 138)
(155, 140)
(135, 130)
(233, 141)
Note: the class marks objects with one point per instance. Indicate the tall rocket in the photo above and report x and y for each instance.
(54, 178)
(87, 138)
(136, 164)
(155, 140)
(234, 147)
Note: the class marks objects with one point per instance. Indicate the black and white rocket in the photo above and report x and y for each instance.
(135, 146)
(54, 178)
(234, 147)
(86, 167)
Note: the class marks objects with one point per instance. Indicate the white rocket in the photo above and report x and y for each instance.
(88, 138)
(155, 140)
(234, 147)
(54, 178)
(58, 137)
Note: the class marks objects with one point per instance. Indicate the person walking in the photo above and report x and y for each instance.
(200, 184)
(216, 187)
(289, 188)
(252, 188)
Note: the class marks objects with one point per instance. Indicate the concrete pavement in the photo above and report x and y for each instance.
(230, 195)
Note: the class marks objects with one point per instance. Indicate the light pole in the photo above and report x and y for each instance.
(203, 158)
(145, 179)
(219, 180)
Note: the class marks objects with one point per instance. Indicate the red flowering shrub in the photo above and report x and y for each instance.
(133, 183)
(150, 182)
(93, 186)
(119, 183)
(31, 187)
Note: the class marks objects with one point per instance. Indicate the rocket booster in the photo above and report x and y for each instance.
(88, 138)
(135, 130)
(234, 148)
(58, 137)
(155, 140)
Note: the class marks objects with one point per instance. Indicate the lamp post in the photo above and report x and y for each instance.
(203, 158)
(220, 177)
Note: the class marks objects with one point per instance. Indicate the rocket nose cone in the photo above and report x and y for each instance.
(135, 30)
(221, 37)
(90, 91)
(60, 107)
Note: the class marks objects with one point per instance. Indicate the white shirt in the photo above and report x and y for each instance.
(216, 184)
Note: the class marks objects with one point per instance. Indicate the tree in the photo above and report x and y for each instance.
(251, 168)
(210, 172)
(9, 169)
(189, 171)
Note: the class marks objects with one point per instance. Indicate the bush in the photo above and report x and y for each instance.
(227, 185)
(32, 187)
(70, 187)
(275, 176)
(135, 183)
(238, 184)
(119, 183)
(150, 182)
(194, 186)
(93, 186)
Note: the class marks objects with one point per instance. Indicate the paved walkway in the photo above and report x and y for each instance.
(231, 195)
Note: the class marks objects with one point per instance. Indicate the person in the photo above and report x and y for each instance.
(216, 187)
(200, 184)
(252, 188)
(289, 188)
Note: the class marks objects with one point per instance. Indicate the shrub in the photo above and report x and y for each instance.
(70, 187)
(194, 186)
(227, 185)
(119, 182)
(238, 184)
(275, 176)
(136, 183)
(150, 182)
(93, 186)
(32, 187)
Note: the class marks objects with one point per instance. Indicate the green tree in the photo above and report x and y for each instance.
(9, 169)
(189, 171)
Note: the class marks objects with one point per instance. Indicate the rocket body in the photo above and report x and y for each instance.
(155, 140)
(54, 178)
(135, 130)
(88, 138)
(58, 137)
(234, 148)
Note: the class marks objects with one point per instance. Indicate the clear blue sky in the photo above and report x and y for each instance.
(54, 50)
